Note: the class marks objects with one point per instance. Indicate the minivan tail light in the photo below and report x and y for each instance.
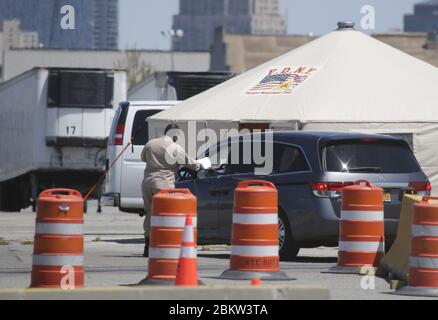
(329, 189)
(118, 135)
(421, 186)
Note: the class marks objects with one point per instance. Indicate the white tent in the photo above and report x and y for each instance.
(345, 81)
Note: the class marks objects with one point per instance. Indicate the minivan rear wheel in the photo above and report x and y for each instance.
(288, 249)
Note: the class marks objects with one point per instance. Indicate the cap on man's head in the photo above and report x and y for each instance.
(171, 126)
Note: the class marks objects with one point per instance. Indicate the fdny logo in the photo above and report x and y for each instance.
(282, 80)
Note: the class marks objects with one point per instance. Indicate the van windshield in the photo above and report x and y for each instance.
(376, 156)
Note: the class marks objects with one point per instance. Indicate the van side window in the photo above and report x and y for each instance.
(140, 127)
(288, 159)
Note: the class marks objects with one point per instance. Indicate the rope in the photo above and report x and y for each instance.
(106, 171)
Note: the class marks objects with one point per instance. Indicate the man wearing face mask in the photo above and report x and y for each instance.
(163, 157)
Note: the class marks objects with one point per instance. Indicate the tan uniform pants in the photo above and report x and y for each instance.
(148, 194)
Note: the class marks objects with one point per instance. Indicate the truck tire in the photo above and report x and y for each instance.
(288, 249)
(11, 199)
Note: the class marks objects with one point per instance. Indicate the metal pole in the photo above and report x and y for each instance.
(172, 59)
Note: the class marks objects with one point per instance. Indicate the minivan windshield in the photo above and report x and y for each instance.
(375, 156)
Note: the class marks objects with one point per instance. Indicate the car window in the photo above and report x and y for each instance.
(288, 159)
(140, 127)
(242, 161)
(218, 154)
(369, 156)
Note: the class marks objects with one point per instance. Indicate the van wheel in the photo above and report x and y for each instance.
(288, 249)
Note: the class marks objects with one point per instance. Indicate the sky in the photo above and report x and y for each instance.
(141, 21)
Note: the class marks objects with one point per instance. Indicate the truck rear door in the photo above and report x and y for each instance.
(80, 108)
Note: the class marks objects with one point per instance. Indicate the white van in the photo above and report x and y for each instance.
(123, 182)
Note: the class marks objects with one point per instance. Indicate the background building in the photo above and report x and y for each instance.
(106, 24)
(424, 19)
(13, 37)
(138, 63)
(240, 53)
(96, 22)
(199, 18)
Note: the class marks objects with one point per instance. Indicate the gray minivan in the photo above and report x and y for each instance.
(309, 169)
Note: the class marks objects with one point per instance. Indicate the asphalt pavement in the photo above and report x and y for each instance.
(113, 256)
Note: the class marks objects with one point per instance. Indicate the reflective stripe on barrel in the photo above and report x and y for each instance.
(59, 260)
(164, 253)
(423, 262)
(59, 228)
(362, 246)
(361, 215)
(174, 221)
(258, 251)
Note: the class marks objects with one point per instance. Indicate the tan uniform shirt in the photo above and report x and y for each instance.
(163, 159)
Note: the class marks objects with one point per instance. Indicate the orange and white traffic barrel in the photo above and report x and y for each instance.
(254, 241)
(58, 255)
(362, 228)
(423, 262)
(170, 207)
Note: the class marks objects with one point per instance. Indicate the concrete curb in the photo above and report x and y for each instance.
(214, 292)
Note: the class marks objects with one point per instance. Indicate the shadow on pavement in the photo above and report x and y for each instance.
(315, 259)
(125, 241)
(214, 256)
(298, 259)
(130, 256)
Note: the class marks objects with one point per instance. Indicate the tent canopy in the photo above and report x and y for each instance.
(344, 76)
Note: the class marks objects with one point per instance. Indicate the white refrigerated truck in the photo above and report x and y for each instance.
(54, 126)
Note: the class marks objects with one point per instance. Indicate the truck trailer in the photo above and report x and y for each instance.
(54, 126)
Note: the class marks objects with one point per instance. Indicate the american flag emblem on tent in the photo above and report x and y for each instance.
(281, 80)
